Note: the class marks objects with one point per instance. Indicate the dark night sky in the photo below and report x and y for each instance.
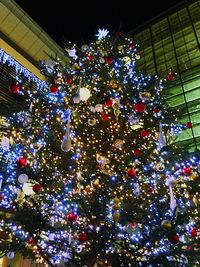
(78, 21)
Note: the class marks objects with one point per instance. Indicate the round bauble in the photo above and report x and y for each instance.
(92, 122)
(139, 107)
(10, 255)
(14, 88)
(131, 173)
(72, 217)
(193, 232)
(173, 238)
(37, 188)
(53, 89)
(144, 133)
(23, 178)
(166, 225)
(82, 237)
(136, 152)
(187, 170)
(21, 162)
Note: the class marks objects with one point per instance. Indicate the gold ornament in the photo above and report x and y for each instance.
(118, 143)
(166, 225)
(144, 95)
(116, 206)
(96, 182)
(113, 84)
(194, 176)
(92, 122)
(116, 216)
(116, 200)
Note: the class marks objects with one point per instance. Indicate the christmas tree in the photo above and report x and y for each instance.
(90, 171)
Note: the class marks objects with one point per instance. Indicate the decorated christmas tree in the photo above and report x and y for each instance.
(90, 171)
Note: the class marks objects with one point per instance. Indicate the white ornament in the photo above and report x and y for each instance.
(5, 143)
(72, 53)
(137, 56)
(102, 60)
(28, 189)
(84, 94)
(23, 178)
(66, 142)
(10, 255)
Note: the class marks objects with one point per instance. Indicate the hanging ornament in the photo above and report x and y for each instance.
(116, 206)
(31, 241)
(145, 96)
(105, 117)
(84, 94)
(82, 237)
(37, 188)
(92, 122)
(102, 60)
(28, 189)
(139, 107)
(136, 189)
(193, 232)
(161, 139)
(188, 125)
(109, 60)
(53, 89)
(109, 102)
(102, 160)
(166, 225)
(5, 143)
(187, 170)
(23, 178)
(10, 255)
(118, 143)
(97, 108)
(172, 199)
(170, 76)
(66, 142)
(21, 162)
(136, 152)
(84, 48)
(72, 217)
(144, 133)
(131, 173)
(173, 238)
(14, 88)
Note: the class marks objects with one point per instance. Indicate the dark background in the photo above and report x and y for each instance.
(78, 21)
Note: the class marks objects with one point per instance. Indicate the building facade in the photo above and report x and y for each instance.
(171, 43)
(23, 44)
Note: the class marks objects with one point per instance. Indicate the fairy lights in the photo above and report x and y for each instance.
(117, 173)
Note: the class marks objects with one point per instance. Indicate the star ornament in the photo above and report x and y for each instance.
(102, 33)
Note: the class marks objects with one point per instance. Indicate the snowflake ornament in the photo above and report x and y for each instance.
(102, 34)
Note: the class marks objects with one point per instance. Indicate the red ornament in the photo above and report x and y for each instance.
(174, 238)
(105, 117)
(140, 107)
(144, 133)
(72, 217)
(188, 125)
(90, 57)
(187, 170)
(82, 237)
(109, 103)
(109, 60)
(136, 152)
(69, 80)
(1, 197)
(54, 89)
(21, 162)
(190, 248)
(131, 173)
(14, 88)
(170, 76)
(156, 109)
(31, 241)
(193, 232)
(37, 188)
